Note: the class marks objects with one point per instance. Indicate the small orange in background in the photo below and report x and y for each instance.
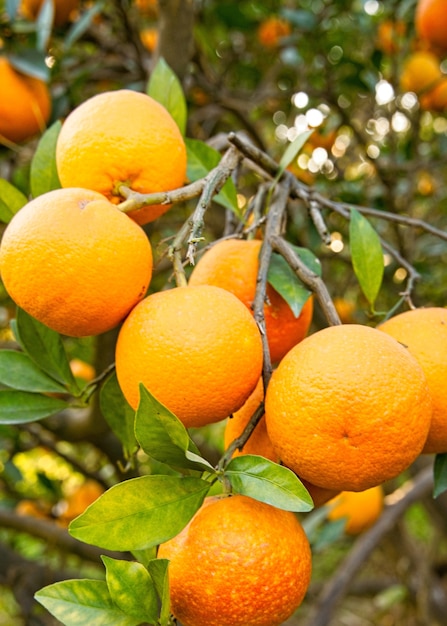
(346, 310)
(361, 509)
(77, 501)
(233, 265)
(424, 333)
(238, 562)
(346, 410)
(149, 38)
(73, 261)
(388, 34)
(82, 370)
(421, 72)
(122, 137)
(431, 22)
(63, 9)
(196, 349)
(272, 30)
(25, 104)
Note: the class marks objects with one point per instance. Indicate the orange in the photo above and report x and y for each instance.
(122, 137)
(259, 441)
(196, 349)
(431, 22)
(25, 104)
(437, 97)
(424, 333)
(347, 409)
(360, 509)
(233, 265)
(346, 310)
(421, 72)
(239, 562)
(73, 261)
(149, 38)
(77, 501)
(83, 370)
(389, 32)
(63, 9)
(272, 30)
(147, 7)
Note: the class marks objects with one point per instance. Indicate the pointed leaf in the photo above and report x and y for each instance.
(44, 24)
(31, 62)
(367, 255)
(11, 201)
(165, 87)
(19, 407)
(158, 570)
(44, 176)
(118, 413)
(131, 589)
(440, 474)
(82, 24)
(81, 602)
(140, 512)
(18, 371)
(45, 347)
(263, 480)
(12, 7)
(163, 437)
(292, 151)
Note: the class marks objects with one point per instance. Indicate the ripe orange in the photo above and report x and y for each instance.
(348, 410)
(424, 333)
(82, 370)
(73, 261)
(272, 30)
(361, 509)
(431, 22)
(196, 349)
(122, 137)
(76, 502)
(233, 265)
(149, 38)
(388, 34)
(239, 562)
(63, 9)
(421, 72)
(25, 104)
(437, 97)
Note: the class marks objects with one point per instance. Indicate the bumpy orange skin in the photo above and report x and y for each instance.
(73, 261)
(424, 333)
(361, 509)
(63, 9)
(347, 410)
(233, 265)
(431, 22)
(239, 562)
(122, 137)
(196, 349)
(25, 104)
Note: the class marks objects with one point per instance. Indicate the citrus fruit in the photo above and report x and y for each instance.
(431, 22)
(82, 370)
(149, 38)
(272, 30)
(348, 410)
(78, 500)
(360, 509)
(233, 265)
(239, 562)
(196, 349)
(424, 333)
(421, 72)
(389, 32)
(25, 104)
(437, 97)
(63, 9)
(73, 261)
(123, 137)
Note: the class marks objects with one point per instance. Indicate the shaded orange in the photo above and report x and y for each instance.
(388, 34)
(63, 9)
(149, 38)
(421, 72)
(361, 509)
(77, 501)
(238, 562)
(73, 261)
(272, 30)
(83, 370)
(431, 22)
(346, 410)
(437, 97)
(122, 137)
(424, 333)
(196, 349)
(25, 104)
(233, 265)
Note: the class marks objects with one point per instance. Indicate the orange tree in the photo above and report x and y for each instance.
(304, 131)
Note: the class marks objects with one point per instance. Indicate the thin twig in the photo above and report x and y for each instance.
(239, 442)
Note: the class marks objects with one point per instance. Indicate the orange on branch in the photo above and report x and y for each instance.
(361, 509)
(431, 22)
(272, 30)
(122, 137)
(421, 72)
(239, 562)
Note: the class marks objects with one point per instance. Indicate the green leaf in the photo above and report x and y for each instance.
(140, 512)
(440, 474)
(44, 176)
(11, 200)
(367, 255)
(31, 62)
(81, 602)
(18, 371)
(164, 438)
(201, 160)
(118, 413)
(44, 25)
(158, 570)
(165, 87)
(19, 407)
(46, 349)
(82, 24)
(131, 589)
(284, 280)
(292, 151)
(266, 481)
